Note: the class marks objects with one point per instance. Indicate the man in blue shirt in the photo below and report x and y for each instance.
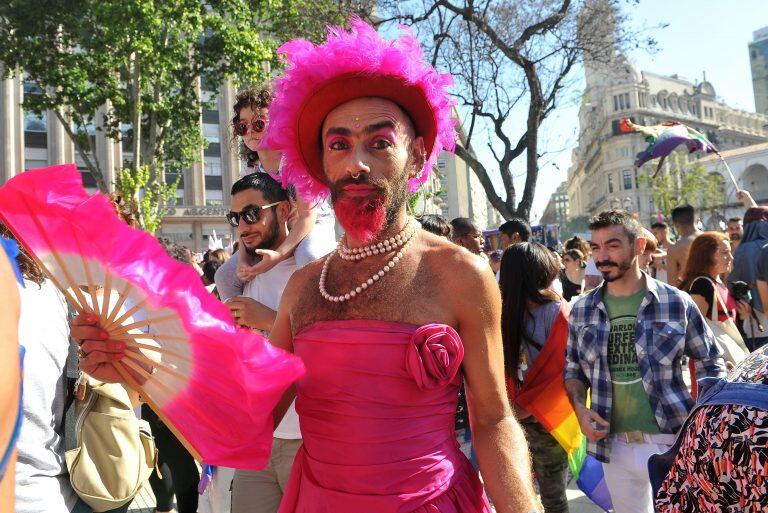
(626, 341)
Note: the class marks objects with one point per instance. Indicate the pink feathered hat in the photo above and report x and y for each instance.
(347, 66)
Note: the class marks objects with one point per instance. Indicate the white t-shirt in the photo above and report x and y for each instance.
(42, 481)
(267, 288)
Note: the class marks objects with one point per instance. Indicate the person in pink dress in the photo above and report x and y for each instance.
(390, 323)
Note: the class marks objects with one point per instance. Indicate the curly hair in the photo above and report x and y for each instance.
(28, 266)
(254, 97)
(127, 211)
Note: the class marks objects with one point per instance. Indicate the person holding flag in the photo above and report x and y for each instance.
(534, 327)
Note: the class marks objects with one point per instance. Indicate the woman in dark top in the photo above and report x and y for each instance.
(708, 258)
(572, 275)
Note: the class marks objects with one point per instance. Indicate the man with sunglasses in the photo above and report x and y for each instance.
(260, 213)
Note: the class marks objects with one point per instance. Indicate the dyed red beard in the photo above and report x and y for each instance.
(362, 220)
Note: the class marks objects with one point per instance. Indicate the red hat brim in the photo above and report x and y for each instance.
(351, 86)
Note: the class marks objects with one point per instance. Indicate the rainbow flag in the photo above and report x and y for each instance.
(663, 138)
(543, 395)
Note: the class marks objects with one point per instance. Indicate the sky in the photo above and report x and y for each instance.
(702, 36)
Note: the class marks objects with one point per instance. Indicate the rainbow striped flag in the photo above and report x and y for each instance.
(543, 395)
(663, 138)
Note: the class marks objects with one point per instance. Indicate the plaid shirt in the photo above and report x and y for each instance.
(668, 326)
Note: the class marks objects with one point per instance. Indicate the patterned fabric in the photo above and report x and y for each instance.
(668, 326)
(722, 464)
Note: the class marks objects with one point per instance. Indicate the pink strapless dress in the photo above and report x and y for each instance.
(376, 408)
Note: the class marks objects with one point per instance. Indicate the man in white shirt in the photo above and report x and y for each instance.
(260, 211)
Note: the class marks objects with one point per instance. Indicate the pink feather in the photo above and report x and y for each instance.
(359, 50)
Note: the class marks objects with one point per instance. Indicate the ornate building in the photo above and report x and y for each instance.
(602, 173)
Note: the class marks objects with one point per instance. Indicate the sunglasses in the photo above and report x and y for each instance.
(257, 125)
(250, 215)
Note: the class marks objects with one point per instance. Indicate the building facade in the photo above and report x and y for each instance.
(749, 165)
(202, 199)
(758, 61)
(556, 211)
(602, 174)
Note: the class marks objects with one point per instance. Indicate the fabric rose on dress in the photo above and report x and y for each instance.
(434, 356)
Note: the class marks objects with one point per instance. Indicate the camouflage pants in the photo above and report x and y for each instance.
(550, 464)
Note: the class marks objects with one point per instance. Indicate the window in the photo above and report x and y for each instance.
(214, 198)
(441, 163)
(627, 175)
(35, 123)
(212, 168)
(610, 184)
(621, 102)
(625, 151)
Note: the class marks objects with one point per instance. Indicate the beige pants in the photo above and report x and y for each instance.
(260, 491)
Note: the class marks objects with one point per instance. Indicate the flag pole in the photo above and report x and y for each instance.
(730, 173)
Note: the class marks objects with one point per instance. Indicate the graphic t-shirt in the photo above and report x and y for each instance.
(630, 407)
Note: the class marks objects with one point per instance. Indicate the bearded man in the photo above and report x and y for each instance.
(392, 322)
(626, 341)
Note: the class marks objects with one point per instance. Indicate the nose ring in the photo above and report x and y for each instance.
(355, 175)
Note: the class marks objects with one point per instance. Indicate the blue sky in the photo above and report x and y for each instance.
(702, 36)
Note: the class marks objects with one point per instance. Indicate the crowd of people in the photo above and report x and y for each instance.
(418, 388)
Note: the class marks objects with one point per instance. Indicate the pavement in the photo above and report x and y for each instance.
(577, 502)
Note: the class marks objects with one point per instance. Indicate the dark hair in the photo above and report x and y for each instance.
(701, 257)
(575, 254)
(684, 215)
(263, 182)
(209, 270)
(660, 224)
(462, 226)
(127, 211)
(577, 242)
(253, 97)
(175, 251)
(622, 218)
(27, 265)
(527, 269)
(734, 220)
(436, 224)
(516, 225)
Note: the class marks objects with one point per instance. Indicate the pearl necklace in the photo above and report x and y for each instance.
(406, 239)
(391, 244)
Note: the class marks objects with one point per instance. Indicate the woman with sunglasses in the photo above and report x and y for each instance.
(311, 228)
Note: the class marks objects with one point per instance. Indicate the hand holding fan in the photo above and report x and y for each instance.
(214, 384)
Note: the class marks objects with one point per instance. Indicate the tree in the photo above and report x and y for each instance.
(506, 56)
(678, 183)
(129, 68)
(151, 205)
(134, 69)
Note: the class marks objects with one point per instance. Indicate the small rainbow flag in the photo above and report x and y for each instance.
(663, 138)
(543, 395)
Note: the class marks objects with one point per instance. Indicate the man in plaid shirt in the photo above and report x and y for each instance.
(625, 345)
